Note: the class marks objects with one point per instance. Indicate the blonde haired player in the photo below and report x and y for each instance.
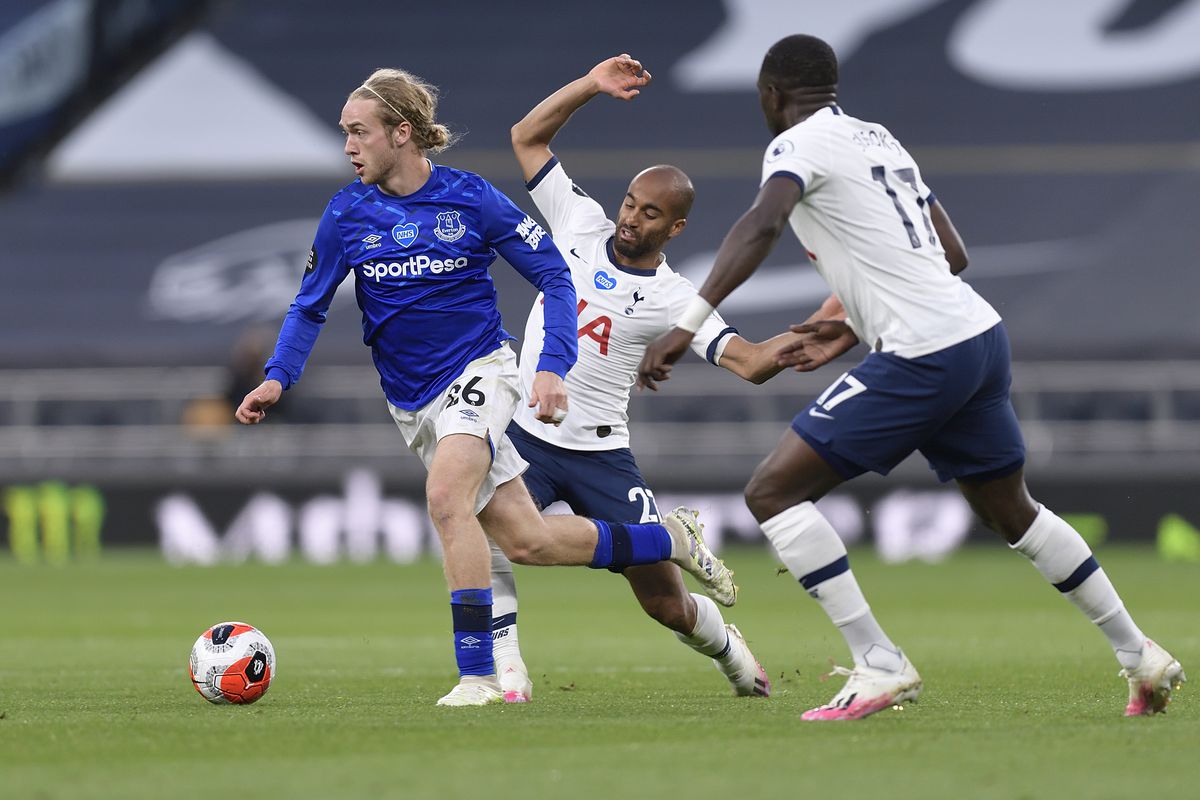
(420, 238)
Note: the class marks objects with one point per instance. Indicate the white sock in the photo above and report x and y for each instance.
(1063, 557)
(816, 556)
(708, 637)
(505, 648)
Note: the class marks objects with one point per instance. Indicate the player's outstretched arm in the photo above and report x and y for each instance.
(255, 404)
(748, 242)
(755, 361)
(817, 344)
(621, 77)
(821, 338)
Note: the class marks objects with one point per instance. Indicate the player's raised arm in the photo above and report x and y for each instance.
(621, 77)
(747, 244)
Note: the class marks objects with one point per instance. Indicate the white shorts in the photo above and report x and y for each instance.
(480, 402)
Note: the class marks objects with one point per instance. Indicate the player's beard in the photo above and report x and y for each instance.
(636, 249)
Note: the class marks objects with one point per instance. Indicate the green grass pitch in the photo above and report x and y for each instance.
(1021, 695)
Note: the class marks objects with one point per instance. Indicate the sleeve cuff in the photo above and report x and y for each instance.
(279, 374)
(533, 182)
(790, 175)
(717, 346)
(548, 362)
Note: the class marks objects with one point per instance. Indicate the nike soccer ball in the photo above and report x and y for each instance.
(232, 662)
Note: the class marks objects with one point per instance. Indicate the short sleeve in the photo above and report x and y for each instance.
(797, 155)
(714, 333)
(568, 209)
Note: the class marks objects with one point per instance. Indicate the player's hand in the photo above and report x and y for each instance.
(621, 77)
(549, 396)
(254, 405)
(660, 355)
(818, 344)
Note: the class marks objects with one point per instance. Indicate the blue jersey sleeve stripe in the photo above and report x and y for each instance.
(783, 173)
(532, 183)
(711, 353)
(931, 199)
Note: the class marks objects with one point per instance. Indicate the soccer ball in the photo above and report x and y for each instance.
(232, 662)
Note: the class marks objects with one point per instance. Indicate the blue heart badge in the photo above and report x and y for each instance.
(604, 281)
(405, 234)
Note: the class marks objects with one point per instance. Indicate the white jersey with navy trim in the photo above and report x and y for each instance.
(621, 310)
(864, 220)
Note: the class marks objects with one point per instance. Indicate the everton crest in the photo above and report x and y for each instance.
(449, 227)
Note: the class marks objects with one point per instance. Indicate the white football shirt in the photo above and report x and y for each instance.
(621, 310)
(864, 220)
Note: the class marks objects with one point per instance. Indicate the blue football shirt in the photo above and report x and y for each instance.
(421, 279)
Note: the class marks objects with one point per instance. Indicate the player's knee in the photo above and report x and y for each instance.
(765, 499)
(529, 552)
(446, 505)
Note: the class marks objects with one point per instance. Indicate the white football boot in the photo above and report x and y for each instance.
(688, 534)
(745, 674)
(514, 679)
(868, 690)
(474, 690)
(1152, 681)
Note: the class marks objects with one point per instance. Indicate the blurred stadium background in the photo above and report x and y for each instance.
(164, 162)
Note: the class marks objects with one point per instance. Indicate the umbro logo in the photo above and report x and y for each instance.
(470, 641)
(372, 241)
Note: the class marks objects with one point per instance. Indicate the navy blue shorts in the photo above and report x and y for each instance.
(602, 484)
(952, 405)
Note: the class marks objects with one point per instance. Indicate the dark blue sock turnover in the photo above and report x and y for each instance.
(628, 544)
(472, 613)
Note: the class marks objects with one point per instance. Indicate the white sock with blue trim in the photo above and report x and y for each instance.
(708, 637)
(1065, 560)
(816, 556)
(505, 648)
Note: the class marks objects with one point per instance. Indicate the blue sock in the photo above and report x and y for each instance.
(621, 545)
(604, 548)
(472, 613)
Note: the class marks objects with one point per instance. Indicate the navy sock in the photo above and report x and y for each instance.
(472, 613)
(623, 545)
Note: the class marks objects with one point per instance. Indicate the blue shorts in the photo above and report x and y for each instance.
(952, 405)
(602, 484)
